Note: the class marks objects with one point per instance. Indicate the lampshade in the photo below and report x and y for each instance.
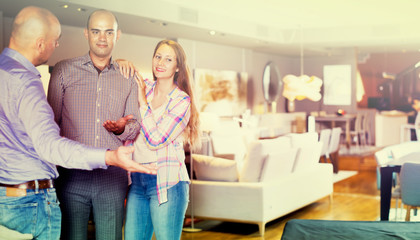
(301, 87)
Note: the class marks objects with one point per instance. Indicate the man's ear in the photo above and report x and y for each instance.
(118, 34)
(86, 33)
(40, 45)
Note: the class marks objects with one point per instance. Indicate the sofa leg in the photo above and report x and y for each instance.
(261, 227)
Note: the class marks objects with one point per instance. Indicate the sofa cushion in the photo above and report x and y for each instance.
(228, 139)
(308, 156)
(210, 168)
(303, 139)
(253, 163)
(273, 145)
(278, 164)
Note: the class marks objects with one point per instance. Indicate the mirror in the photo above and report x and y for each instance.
(271, 82)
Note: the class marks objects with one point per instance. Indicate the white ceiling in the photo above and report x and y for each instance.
(322, 27)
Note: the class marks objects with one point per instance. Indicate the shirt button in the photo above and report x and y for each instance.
(97, 137)
(99, 105)
(97, 120)
(99, 89)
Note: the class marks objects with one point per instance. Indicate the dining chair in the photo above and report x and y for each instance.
(365, 128)
(334, 147)
(356, 133)
(410, 187)
(324, 137)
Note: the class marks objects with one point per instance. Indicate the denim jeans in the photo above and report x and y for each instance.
(145, 215)
(36, 213)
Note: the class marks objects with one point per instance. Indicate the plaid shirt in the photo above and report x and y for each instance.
(165, 137)
(82, 99)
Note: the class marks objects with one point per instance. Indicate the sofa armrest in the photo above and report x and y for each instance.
(230, 156)
(260, 201)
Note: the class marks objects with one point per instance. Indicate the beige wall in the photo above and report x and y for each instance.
(139, 49)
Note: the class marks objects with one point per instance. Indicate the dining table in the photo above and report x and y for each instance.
(386, 180)
(332, 119)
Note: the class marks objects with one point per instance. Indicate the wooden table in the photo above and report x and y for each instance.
(332, 119)
(386, 180)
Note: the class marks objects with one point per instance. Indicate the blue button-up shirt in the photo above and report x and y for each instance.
(30, 144)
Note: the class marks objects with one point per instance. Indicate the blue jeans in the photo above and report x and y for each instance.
(145, 215)
(36, 213)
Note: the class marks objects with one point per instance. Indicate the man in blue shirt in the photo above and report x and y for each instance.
(30, 144)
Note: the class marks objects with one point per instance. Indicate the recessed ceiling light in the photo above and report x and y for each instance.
(261, 42)
(212, 32)
(81, 10)
(65, 6)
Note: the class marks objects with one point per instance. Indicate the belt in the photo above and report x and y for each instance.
(42, 184)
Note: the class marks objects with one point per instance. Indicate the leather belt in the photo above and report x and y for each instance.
(42, 184)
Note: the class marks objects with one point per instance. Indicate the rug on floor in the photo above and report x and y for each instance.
(401, 215)
(343, 174)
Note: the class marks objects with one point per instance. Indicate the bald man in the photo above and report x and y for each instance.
(84, 92)
(30, 144)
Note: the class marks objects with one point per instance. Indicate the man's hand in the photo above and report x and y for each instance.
(117, 127)
(127, 68)
(122, 158)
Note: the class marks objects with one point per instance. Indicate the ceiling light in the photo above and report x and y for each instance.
(212, 32)
(65, 6)
(81, 10)
(303, 86)
(163, 24)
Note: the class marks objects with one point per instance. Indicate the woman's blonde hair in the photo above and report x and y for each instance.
(183, 80)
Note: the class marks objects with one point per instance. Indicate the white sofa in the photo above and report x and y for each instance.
(277, 176)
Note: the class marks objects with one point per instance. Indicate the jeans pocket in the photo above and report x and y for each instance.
(19, 214)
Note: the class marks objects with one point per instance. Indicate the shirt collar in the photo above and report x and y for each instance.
(21, 59)
(87, 60)
(173, 94)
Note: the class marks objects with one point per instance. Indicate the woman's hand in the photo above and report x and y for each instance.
(127, 68)
(142, 89)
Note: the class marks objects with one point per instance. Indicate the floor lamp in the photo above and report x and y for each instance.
(191, 229)
(209, 122)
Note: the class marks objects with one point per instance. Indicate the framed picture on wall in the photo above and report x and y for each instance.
(337, 85)
(221, 92)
